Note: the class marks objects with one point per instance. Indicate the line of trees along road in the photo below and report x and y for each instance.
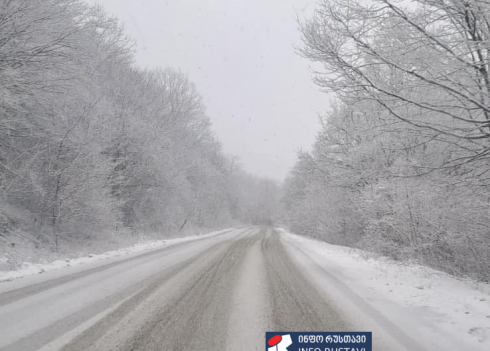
(401, 163)
(93, 147)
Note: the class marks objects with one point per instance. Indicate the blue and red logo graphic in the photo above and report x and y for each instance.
(318, 341)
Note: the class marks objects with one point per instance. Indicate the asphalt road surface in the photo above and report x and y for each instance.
(218, 293)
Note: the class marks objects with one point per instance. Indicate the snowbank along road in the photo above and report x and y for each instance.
(218, 293)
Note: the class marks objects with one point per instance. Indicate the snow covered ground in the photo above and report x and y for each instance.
(435, 309)
(407, 307)
(29, 268)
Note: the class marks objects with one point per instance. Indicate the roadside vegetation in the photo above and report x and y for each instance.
(400, 165)
(96, 152)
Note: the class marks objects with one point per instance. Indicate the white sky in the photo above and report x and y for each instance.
(240, 54)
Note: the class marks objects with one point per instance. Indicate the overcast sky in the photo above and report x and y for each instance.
(240, 54)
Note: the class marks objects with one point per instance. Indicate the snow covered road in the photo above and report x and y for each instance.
(221, 292)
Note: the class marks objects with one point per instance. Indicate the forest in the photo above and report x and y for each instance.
(95, 151)
(400, 165)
